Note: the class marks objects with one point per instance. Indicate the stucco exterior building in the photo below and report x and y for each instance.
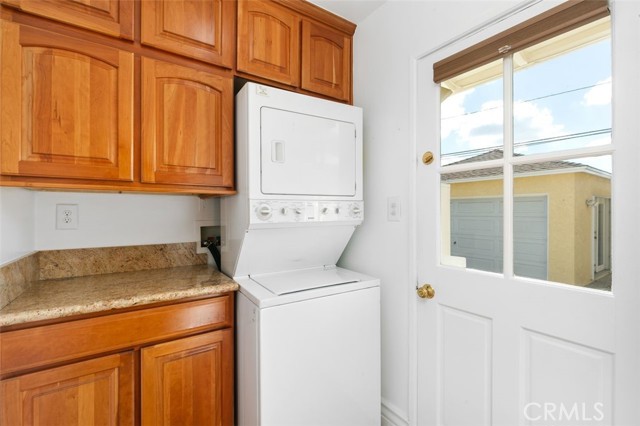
(568, 211)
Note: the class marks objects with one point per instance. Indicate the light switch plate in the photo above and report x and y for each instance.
(394, 209)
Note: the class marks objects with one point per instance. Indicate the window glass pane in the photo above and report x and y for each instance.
(562, 221)
(562, 91)
(471, 124)
(471, 212)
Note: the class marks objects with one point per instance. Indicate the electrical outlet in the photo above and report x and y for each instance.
(202, 231)
(66, 216)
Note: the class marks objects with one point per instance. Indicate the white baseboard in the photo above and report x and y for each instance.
(393, 416)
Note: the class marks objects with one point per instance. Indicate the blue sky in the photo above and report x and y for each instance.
(562, 96)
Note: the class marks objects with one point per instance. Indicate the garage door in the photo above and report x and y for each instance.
(476, 234)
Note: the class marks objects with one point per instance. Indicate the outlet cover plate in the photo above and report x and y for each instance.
(199, 224)
(66, 216)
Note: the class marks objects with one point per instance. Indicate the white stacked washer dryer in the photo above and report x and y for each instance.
(308, 332)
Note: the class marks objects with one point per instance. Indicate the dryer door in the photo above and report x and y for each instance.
(306, 155)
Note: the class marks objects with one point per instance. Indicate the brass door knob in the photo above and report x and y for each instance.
(427, 158)
(426, 292)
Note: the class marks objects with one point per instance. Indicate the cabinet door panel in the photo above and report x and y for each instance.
(201, 29)
(189, 381)
(93, 392)
(112, 17)
(326, 61)
(187, 126)
(268, 41)
(66, 107)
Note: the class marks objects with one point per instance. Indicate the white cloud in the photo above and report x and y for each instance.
(533, 122)
(599, 94)
(469, 130)
(452, 107)
(484, 128)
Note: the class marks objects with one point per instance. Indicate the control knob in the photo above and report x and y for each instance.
(355, 210)
(263, 211)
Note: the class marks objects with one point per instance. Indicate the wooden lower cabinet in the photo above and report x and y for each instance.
(184, 381)
(164, 365)
(94, 392)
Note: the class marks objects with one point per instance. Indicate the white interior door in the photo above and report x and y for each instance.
(495, 348)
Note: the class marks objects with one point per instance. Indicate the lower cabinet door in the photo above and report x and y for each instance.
(189, 381)
(95, 392)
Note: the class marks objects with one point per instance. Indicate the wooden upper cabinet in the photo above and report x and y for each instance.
(200, 29)
(95, 392)
(187, 126)
(326, 61)
(111, 17)
(269, 41)
(189, 381)
(66, 106)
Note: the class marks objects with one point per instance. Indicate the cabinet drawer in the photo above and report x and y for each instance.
(39, 346)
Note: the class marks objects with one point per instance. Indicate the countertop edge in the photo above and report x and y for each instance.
(107, 307)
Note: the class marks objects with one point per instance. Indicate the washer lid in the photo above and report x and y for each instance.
(305, 279)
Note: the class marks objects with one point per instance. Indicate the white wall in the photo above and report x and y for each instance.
(107, 220)
(17, 234)
(27, 220)
(384, 45)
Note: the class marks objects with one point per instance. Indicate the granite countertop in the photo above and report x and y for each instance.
(58, 298)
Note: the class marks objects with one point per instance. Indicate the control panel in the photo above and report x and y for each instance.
(270, 211)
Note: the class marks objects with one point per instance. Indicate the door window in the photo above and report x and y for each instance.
(528, 137)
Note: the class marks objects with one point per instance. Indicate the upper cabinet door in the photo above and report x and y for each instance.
(66, 106)
(111, 17)
(200, 29)
(269, 41)
(187, 126)
(326, 61)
